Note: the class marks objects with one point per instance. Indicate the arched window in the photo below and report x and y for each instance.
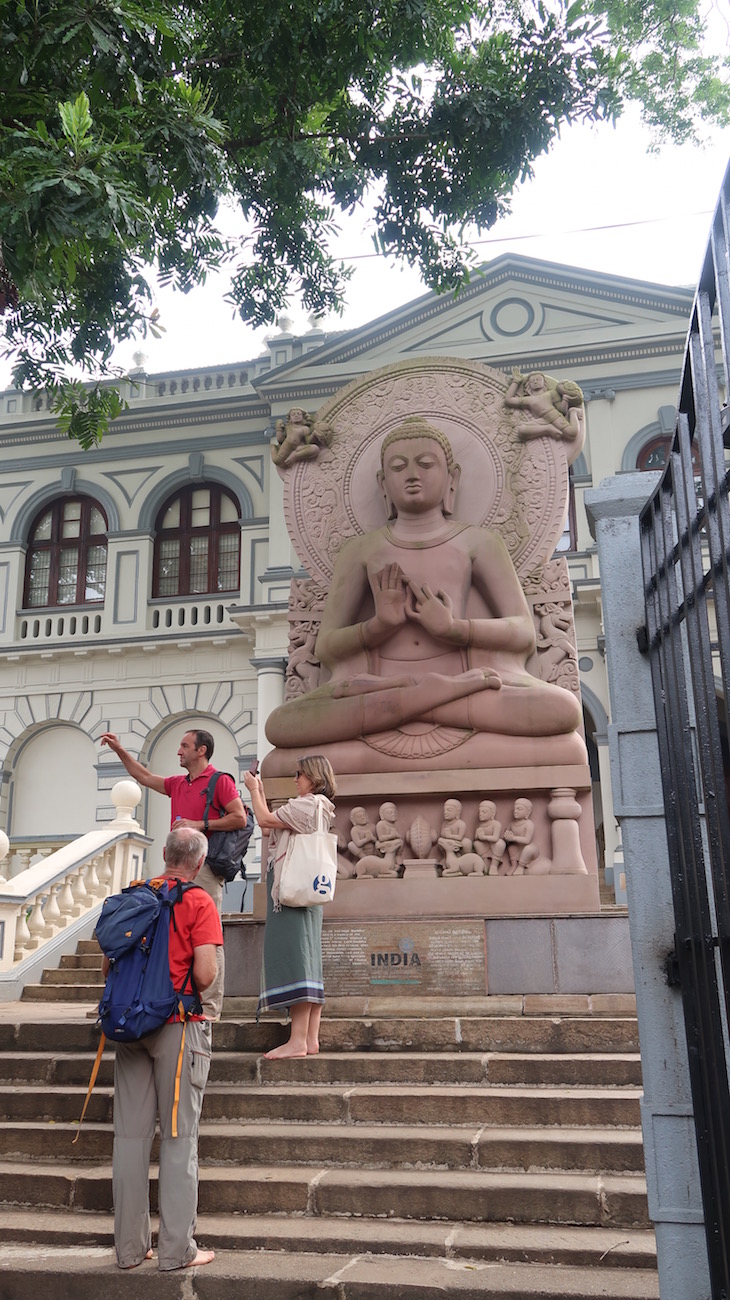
(66, 563)
(197, 543)
(653, 454)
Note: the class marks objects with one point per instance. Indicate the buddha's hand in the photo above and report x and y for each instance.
(389, 594)
(433, 610)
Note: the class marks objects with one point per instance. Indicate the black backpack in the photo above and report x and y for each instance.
(226, 849)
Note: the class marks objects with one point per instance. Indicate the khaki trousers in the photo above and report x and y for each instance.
(213, 1000)
(144, 1088)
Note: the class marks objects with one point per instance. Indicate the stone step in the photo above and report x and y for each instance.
(79, 961)
(521, 1243)
(593, 1200)
(57, 992)
(241, 1067)
(57, 1272)
(361, 1146)
(372, 1104)
(511, 1034)
(71, 976)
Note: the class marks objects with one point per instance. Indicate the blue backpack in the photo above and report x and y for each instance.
(133, 931)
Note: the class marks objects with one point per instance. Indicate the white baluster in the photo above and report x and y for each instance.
(105, 873)
(22, 933)
(52, 913)
(78, 889)
(91, 879)
(36, 924)
(4, 850)
(66, 900)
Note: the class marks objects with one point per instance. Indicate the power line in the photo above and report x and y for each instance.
(549, 234)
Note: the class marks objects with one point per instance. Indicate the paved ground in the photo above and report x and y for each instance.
(22, 1012)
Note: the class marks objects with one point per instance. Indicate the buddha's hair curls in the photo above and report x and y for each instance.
(415, 426)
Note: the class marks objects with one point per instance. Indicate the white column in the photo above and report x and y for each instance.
(270, 674)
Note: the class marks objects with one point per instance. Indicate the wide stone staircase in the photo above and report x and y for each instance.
(489, 1147)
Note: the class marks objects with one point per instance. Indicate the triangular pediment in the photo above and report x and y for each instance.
(515, 311)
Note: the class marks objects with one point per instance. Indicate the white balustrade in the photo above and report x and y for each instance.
(58, 889)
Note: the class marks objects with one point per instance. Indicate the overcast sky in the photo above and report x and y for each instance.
(598, 200)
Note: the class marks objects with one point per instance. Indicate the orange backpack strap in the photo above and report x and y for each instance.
(92, 1081)
(178, 1072)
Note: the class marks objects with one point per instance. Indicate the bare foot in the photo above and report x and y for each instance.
(286, 1052)
(202, 1257)
(128, 1266)
(312, 1049)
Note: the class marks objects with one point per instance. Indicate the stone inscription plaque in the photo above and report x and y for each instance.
(434, 958)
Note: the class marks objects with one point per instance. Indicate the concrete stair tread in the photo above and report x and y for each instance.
(302, 1128)
(59, 1271)
(520, 1242)
(511, 1036)
(323, 1190)
(360, 1146)
(317, 1175)
(462, 1091)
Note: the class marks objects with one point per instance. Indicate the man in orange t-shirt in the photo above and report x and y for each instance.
(144, 1086)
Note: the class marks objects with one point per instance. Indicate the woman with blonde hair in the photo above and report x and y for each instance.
(291, 973)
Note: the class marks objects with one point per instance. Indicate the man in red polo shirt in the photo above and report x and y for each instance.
(187, 795)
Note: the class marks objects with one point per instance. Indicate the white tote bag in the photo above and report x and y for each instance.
(309, 870)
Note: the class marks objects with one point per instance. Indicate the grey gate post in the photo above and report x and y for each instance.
(670, 1150)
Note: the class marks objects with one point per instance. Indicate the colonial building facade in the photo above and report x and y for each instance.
(144, 585)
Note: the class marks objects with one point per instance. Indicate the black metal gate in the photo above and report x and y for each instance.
(685, 539)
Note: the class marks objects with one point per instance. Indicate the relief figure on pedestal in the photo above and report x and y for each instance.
(517, 841)
(488, 835)
(363, 834)
(456, 845)
(425, 621)
(383, 861)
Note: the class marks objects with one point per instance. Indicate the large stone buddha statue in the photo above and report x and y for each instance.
(425, 639)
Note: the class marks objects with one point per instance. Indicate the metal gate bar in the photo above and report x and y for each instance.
(685, 541)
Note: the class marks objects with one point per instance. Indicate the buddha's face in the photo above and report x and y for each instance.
(415, 475)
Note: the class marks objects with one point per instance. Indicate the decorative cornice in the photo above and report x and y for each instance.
(129, 451)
